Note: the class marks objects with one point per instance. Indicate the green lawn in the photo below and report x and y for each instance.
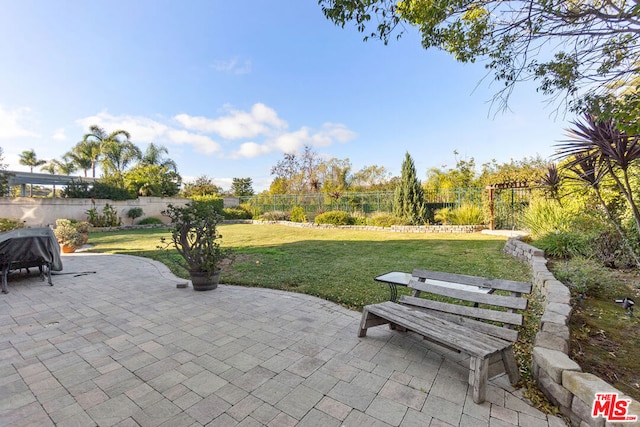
(336, 264)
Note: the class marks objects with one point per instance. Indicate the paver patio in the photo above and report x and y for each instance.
(114, 342)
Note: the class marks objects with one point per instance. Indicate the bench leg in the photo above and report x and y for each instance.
(5, 272)
(510, 365)
(362, 331)
(368, 320)
(478, 378)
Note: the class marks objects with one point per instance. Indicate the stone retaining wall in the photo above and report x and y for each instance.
(560, 378)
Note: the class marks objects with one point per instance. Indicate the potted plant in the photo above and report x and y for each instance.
(68, 235)
(195, 236)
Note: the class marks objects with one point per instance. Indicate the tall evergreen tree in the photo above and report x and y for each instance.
(409, 198)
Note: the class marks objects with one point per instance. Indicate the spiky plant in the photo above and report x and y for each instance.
(551, 181)
(603, 149)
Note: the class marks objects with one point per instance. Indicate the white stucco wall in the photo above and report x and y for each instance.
(35, 212)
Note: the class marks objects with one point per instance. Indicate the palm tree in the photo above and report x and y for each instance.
(118, 155)
(52, 168)
(113, 147)
(29, 158)
(154, 155)
(85, 155)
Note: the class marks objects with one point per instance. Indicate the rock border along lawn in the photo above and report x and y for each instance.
(560, 378)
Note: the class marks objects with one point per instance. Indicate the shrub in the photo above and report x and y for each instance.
(215, 201)
(443, 215)
(583, 276)
(108, 217)
(565, 244)
(254, 211)
(7, 224)
(298, 214)
(467, 214)
(276, 216)
(151, 220)
(612, 251)
(235, 213)
(134, 213)
(544, 217)
(97, 190)
(67, 233)
(335, 218)
(383, 219)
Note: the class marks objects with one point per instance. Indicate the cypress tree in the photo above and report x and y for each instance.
(409, 198)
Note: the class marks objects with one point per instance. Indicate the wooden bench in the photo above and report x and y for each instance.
(483, 330)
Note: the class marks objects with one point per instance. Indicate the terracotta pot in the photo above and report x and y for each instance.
(67, 249)
(201, 280)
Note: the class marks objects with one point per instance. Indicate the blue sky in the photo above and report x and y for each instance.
(229, 86)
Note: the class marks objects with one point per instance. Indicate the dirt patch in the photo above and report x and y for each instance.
(605, 339)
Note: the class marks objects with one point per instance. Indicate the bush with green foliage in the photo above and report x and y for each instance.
(134, 213)
(108, 218)
(544, 217)
(96, 190)
(335, 218)
(467, 214)
(276, 216)
(384, 219)
(150, 220)
(609, 247)
(583, 276)
(565, 244)
(443, 216)
(298, 214)
(195, 236)
(254, 211)
(235, 213)
(68, 234)
(7, 224)
(215, 201)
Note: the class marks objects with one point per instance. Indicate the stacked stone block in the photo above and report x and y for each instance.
(560, 378)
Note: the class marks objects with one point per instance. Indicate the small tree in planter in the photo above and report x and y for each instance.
(134, 213)
(68, 235)
(195, 236)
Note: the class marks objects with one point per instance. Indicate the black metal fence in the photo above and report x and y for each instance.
(508, 204)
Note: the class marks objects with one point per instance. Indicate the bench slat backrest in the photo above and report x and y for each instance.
(481, 282)
(471, 296)
(495, 308)
(440, 309)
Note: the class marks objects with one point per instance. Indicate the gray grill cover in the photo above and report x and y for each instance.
(26, 245)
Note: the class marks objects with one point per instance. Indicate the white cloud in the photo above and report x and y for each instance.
(261, 120)
(200, 143)
(15, 124)
(234, 66)
(252, 150)
(338, 131)
(261, 123)
(59, 135)
(293, 142)
(144, 129)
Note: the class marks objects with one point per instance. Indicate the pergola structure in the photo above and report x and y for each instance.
(501, 186)
(24, 178)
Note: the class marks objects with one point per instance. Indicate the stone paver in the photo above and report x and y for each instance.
(115, 343)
